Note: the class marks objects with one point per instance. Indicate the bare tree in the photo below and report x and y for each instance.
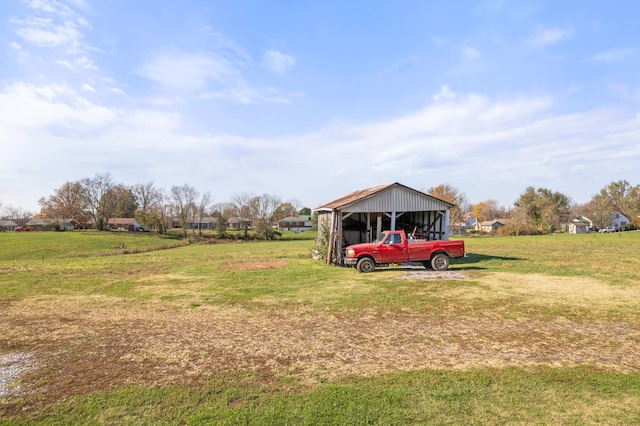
(263, 207)
(243, 210)
(203, 204)
(225, 210)
(147, 196)
(17, 214)
(149, 201)
(184, 201)
(97, 198)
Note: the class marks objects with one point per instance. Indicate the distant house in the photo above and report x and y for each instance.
(492, 225)
(296, 224)
(237, 223)
(579, 225)
(619, 221)
(468, 222)
(7, 225)
(206, 223)
(53, 224)
(123, 224)
(118, 224)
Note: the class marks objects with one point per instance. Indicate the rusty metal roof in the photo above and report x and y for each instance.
(358, 198)
(354, 196)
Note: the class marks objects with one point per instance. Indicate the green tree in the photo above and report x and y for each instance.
(222, 224)
(544, 209)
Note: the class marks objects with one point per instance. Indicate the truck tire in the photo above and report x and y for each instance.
(366, 264)
(440, 262)
(427, 264)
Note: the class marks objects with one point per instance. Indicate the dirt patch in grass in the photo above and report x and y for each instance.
(88, 344)
(256, 265)
(428, 274)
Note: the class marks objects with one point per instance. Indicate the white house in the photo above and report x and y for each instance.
(618, 220)
(296, 224)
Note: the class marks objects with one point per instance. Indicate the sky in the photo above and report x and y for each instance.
(312, 100)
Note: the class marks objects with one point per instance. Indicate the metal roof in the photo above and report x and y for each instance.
(385, 198)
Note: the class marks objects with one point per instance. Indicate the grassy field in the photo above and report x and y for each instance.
(101, 329)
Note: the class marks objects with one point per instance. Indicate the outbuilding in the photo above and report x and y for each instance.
(362, 215)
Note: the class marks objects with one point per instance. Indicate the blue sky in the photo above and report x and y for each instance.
(313, 100)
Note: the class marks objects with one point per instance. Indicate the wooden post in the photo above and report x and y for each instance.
(332, 237)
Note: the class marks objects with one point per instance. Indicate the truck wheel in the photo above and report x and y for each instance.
(440, 262)
(366, 264)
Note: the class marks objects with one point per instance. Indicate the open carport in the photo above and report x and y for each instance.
(362, 215)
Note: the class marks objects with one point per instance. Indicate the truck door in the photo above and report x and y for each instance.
(393, 250)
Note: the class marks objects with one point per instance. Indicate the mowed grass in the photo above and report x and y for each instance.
(29, 247)
(541, 330)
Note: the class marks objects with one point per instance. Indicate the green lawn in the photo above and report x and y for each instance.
(540, 330)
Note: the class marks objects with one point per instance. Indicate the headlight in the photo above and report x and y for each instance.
(351, 253)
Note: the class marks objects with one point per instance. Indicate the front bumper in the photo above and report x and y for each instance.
(350, 261)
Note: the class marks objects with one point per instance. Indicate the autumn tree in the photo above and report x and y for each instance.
(488, 210)
(67, 202)
(453, 195)
(305, 211)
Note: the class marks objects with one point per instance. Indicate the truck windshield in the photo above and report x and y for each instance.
(381, 238)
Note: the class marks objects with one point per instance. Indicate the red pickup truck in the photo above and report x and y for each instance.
(394, 247)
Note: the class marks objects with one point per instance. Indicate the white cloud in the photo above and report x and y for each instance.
(44, 33)
(278, 62)
(37, 107)
(87, 87)
(470, 53)
(445, 94)
(64, 63)
(490, 148)
(53, 24)
(543, 37)
(612, 56)
(188, 71)
(206, 76)
(85, 63)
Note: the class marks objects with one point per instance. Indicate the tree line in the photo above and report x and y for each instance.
(97, 199)
(542, 210)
